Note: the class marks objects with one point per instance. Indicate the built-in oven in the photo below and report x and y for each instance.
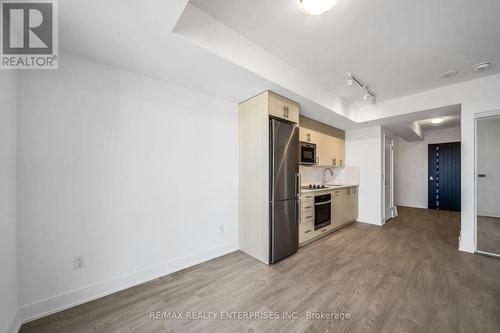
(322, 210)
(307, 153)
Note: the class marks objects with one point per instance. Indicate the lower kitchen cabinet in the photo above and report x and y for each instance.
(350, 204)
(337, 208)
(306, 232)
(344, 210)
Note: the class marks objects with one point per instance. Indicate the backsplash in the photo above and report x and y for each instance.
(348, 175)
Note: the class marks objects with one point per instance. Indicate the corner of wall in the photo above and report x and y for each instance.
(15, 324)
(464, 246)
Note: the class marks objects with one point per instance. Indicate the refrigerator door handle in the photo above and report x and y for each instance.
(299, 209)
(272, 144)
(298, 181)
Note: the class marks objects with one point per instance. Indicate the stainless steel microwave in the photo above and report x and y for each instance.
(307, 153)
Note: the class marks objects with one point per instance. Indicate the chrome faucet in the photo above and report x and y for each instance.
(324, 174)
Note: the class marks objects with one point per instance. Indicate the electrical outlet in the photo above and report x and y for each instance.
(221, 228)
(78, 263)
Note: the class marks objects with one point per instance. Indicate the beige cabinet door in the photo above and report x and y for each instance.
(306, 232)
(338, 151)
(283, 108)
(346, 205)
(307, 135)
(354, 201)
(330, 150)
(350, 212)
(337, 207)
(326, 150)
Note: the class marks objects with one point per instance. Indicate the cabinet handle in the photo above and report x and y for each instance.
(307, 207)
(285, 111)
(308, 231)
(308, 217)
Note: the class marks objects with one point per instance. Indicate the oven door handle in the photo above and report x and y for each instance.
(323, 203)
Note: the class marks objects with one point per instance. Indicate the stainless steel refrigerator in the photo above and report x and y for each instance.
(284, 185)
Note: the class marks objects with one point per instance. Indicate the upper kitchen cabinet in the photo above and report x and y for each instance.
(283, 108)
(330, 141)
(307, 133)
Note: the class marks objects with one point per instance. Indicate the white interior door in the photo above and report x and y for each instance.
(388, 178)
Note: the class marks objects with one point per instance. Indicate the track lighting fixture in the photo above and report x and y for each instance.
(368, 95)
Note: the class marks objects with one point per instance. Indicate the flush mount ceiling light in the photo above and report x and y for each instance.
(317, 7)
(447, 75)
(368, 94)
(481, 66)
(437, 121)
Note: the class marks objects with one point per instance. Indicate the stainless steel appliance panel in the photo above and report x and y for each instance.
(307, 153)
(284, 229)
(284, 150)
(322, 211)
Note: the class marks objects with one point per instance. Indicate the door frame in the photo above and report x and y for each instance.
(386, 216)
(477, 116)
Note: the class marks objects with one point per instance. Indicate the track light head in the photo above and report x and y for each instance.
(350, 81)
(367, 94)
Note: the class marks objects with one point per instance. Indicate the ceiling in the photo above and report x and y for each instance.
(137, 36)
(257, 45)
(452, 120)
(413, 126)
(397, 47)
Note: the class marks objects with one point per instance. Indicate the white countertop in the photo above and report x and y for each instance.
(328, 188)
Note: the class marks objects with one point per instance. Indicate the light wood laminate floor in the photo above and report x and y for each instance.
(406, 276)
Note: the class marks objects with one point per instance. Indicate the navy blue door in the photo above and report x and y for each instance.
(444, 176)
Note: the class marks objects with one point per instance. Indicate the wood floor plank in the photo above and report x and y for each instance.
(406, 276)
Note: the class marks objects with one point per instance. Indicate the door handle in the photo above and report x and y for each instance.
(285, 111)
(299, 210)
(481, 175)
(323, 203)
(298, 181)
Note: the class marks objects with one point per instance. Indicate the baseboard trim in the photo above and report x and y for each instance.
(367, 222)
(410, 205)
(76, 297)
(469, 248)
(483, 214)
(15, 324)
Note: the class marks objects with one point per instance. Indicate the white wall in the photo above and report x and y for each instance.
(8, 252)
(488, 162)
(410, 166)
(476, 96)
(363, 149)
(135, 174)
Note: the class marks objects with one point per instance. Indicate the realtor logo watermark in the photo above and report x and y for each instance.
(29, 34)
